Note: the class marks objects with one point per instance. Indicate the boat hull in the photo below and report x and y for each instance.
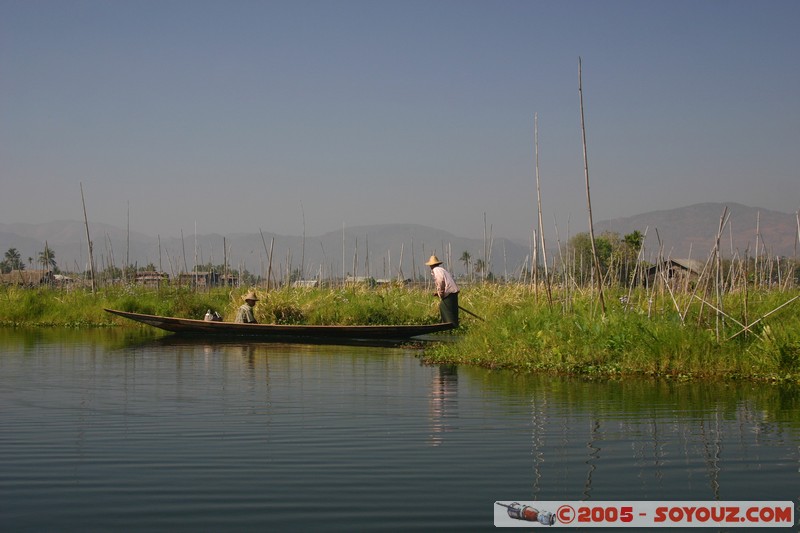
(283, 332)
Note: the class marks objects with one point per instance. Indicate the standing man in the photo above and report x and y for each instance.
(446, 289)
(245, 313)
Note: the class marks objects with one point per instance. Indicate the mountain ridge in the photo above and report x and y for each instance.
(692, 230)
(392, 250)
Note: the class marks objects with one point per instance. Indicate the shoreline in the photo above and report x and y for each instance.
(757, 338)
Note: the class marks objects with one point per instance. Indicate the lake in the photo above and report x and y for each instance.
(108, 430)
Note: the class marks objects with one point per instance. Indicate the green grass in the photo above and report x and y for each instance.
(54, 307)
(523, 333)
(653, 335)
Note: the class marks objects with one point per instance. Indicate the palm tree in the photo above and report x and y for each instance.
(48, 258)
(465, 258)
(634, 241)
(13, 260)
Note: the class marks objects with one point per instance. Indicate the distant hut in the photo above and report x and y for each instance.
(676, 271)
(200, 279)
(360, 281)
(228, 280)
(151, 278)
(27, 278)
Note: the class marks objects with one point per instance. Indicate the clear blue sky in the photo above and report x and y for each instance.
(240, 115)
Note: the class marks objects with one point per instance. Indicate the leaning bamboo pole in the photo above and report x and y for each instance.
(128, 245)
(539, 210)
(485, 250)
(183, 247)
(303, 249)
(88, 239)
(758, 233)
(588, 196)
(797, 239)
(723, 220)
(343, 257)
(400, 266)
(269, 254)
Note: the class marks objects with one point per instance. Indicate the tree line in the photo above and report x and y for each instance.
(12, 260)
(619, 257)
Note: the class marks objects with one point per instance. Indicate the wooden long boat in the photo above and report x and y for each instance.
(283, 332)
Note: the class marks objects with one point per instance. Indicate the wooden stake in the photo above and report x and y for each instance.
(539, 209)
(589, 197)
(88, 239)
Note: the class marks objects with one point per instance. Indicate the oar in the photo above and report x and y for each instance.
(473, 314)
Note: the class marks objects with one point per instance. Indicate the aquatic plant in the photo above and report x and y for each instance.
(679, 336)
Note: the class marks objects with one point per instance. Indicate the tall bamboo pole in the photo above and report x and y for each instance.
(723, 220)
(195, 256)
(485, 248)
(400, 276)
(269, 254)
(183, 247)
(88, 239)
(539, 209)
(128, 244)
(758, 234)
(343, 259)
(303, 250)
(588, 196)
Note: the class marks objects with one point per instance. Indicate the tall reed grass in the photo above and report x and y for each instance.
(638, 334)
(679, 336)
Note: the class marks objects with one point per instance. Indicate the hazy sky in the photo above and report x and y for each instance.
(292, 115)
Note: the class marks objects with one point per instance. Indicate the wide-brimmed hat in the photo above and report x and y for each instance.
(250, 296)
(433, 261)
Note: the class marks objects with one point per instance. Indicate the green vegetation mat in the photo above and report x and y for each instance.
(742, 335)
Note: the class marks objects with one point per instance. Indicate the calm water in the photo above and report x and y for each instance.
(101, 432)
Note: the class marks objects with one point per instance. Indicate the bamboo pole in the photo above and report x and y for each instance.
(303, 249)
(723, 220)
(195, 256)
(183, 247)
(400, 266)
(88, 238)
(485, 249)
(343, 259)
(413, 263)
(366, 256)
(128, 244)
(355, 261)
(533, 248)
(794, 263)
(588, 195)
(758, 233)
(539, 209)
(269, 254)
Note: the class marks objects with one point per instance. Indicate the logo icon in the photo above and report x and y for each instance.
(529, 514)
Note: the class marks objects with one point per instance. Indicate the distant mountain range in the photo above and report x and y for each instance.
(693, 230)
(392, 250)
(379, 251)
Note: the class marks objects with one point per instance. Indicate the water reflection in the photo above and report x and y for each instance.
(201, 432)
(443, 403)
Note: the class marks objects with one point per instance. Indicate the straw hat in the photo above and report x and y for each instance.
(250, 296)
(433, 261)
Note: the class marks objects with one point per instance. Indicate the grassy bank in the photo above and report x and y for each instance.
(674, 336)
(679, 336)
